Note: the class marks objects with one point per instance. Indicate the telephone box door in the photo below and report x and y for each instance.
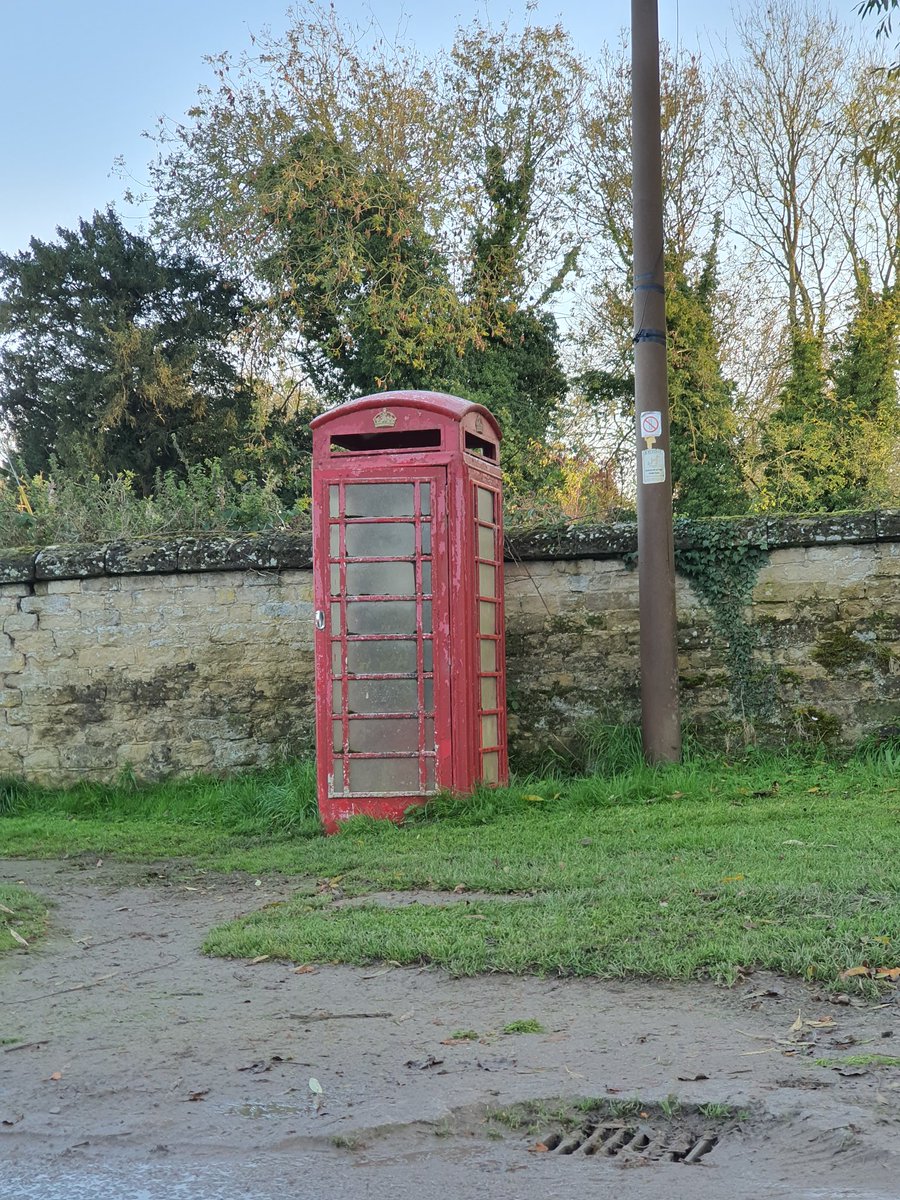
(382, 642)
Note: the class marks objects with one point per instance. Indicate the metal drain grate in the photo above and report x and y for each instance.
(611, 1138)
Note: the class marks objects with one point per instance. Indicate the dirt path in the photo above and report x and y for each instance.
(143, 1069)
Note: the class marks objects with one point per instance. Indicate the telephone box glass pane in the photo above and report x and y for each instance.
(488, 655)
(382, 616)
(336, 619)
(381, 579)
(336, 705)
(378, 499)
(485, 542)
(489, 731)
(376, 737)
(426, 578)
(428, 655)
(426, 539)
(382, 696)
(487, 580)
(335, 579)
(429, 774)
(337, 786)
(381, 658)
(333, 501)
(428, 695)
(426, 616)
(395, 539)
(425, 499)
(335, 540)
(490, 768)
(337, 735)
(336, 658)
(487, 616)
(485, 505)
(429, 734)
(489, 693)
(372, 776)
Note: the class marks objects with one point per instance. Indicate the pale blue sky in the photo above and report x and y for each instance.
(81, 79)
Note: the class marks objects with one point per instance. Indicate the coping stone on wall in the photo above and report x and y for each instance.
(70, 562)
(281, 550)
(887, 524)
(788, 531)
(746, 531)
(572, 541)
(16, 566)
(142, 557)
(248, 552)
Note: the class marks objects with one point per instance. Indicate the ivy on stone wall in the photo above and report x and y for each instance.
(721, 560)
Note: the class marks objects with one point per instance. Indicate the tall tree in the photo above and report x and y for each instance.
(705, 471)
(783, 132)
(402, 221)
(115, 355)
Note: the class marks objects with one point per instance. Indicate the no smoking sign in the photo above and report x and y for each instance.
(651, 424)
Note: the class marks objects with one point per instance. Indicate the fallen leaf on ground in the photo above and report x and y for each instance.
(532, 799)
(315, 1087)
(198, 1095)
(306, 969)
(460, 887)
(17, 937)
(259, 958)
(3, 908)
(13, 1120)
(733, 878)
(890, 973)
(56, 1076)
(692, 1078)
(538, 1148)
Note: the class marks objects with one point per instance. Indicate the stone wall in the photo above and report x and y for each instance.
(196, 655)
(165, 660)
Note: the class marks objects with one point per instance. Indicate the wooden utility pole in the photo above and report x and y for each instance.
(656, 556)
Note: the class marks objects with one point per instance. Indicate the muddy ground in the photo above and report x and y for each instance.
(144, 1070)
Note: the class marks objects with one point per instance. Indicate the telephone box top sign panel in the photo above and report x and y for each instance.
(406, 423)
(408, 556)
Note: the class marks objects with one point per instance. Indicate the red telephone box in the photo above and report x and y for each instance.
(408, 565)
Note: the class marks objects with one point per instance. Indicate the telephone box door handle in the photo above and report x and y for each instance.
(320, 619)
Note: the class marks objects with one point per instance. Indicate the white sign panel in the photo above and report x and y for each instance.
(651, 424)
(653, 466)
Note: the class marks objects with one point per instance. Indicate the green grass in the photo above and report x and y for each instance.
(859, 1060)
(228, 824)
(28, 917)
(691, 871)
(527, 1026)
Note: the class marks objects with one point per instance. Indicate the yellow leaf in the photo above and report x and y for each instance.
(732, 878)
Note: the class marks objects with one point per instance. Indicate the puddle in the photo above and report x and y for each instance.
(259, 1112)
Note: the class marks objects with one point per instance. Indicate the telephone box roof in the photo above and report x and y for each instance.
(450, 407)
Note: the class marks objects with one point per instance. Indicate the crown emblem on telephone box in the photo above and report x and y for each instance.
(384, 419)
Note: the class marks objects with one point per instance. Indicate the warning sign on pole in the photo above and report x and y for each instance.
(651, 424)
